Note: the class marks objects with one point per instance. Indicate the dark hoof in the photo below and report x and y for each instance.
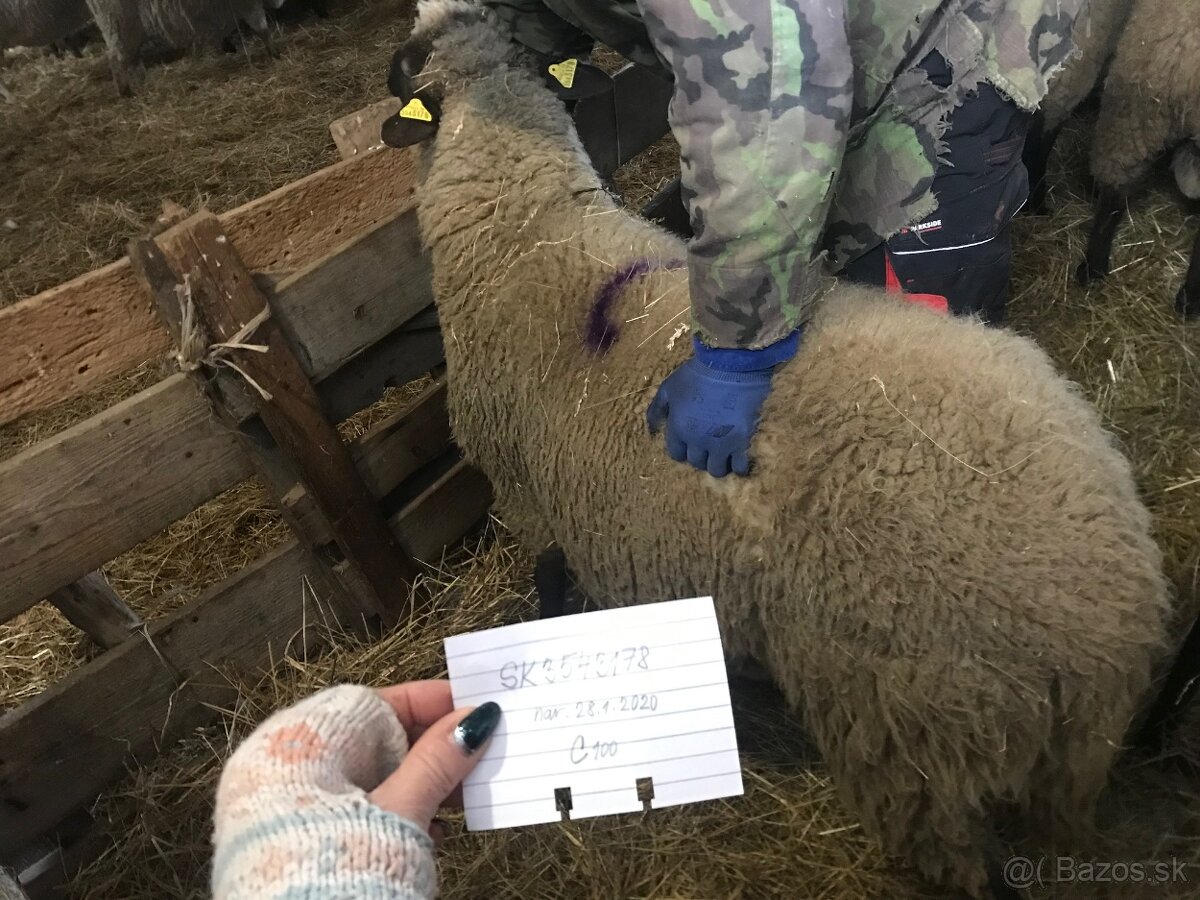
(1085, 274)
(1188, 307)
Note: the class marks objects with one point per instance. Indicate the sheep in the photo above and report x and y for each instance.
(1150, 104)
(940, 558)
(1095, 37)
(38, 23)
(130, 26)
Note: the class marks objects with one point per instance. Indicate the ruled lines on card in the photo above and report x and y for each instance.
(605, 712)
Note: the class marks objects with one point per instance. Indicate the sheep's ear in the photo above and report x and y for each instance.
(407, 63)
(571, 79)
(417, 121)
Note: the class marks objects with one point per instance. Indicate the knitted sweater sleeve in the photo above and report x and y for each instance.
(292, 814)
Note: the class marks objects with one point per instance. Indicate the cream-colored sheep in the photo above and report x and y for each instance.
(130, 26)
(940, 557)
(1150, 105)
(1095, 35)
(39, 23)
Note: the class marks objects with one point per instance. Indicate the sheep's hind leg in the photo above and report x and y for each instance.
(550, 582)
(666, 209)
(268, 42)
(262, 29)
(1110, 210)
(1187, 301)
(123, 36)
(1180, 685)
(1039, 144)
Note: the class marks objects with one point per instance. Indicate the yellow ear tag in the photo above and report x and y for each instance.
(564, 72)
(415, 109)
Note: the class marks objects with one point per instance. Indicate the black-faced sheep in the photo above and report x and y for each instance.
(1150, 105)
(130, 27)
(940, 557)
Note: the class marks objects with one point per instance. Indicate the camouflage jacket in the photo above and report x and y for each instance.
(808, 132)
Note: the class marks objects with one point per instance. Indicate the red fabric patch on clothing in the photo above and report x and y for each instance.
(891, 284)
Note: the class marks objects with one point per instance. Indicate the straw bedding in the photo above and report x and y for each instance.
(85, 171)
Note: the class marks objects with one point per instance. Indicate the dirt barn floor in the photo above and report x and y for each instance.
(83, 171)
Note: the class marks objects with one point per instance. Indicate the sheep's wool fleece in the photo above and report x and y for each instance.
(1151, 96)
(940, 555)
(35, 23)
(1097, 30)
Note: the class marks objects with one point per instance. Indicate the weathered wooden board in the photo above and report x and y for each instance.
(365, 289)
(387, 454)
(405, 354)
(65, 746)
(441, 515)
(403, 442)
(69, 339)
(92, 606)
(159, 454)
(73, 502)
(358, 132)
(227, 300)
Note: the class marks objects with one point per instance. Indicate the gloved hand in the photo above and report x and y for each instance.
(710, 405)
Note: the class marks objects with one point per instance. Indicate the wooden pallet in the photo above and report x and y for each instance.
(334, 264)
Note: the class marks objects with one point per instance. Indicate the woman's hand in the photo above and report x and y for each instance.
(339, 791)
(444, 746)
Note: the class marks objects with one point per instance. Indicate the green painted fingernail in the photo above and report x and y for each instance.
(473, 731)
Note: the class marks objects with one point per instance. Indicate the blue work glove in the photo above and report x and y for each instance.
(711, 403)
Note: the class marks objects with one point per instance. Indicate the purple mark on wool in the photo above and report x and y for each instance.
(601, 332)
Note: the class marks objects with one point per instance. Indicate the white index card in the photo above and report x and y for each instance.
(595, 703)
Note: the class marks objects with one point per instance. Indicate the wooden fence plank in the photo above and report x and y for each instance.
(444, 512)
(92, 606)
(403, 442)
(367, 288)
(66, 745)
(388, 453)
(405, 354)
(63, 746)
(159, 454)
(227, 300)
(65, 341)
(358, 132)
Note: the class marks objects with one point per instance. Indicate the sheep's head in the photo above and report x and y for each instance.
(454, 43)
